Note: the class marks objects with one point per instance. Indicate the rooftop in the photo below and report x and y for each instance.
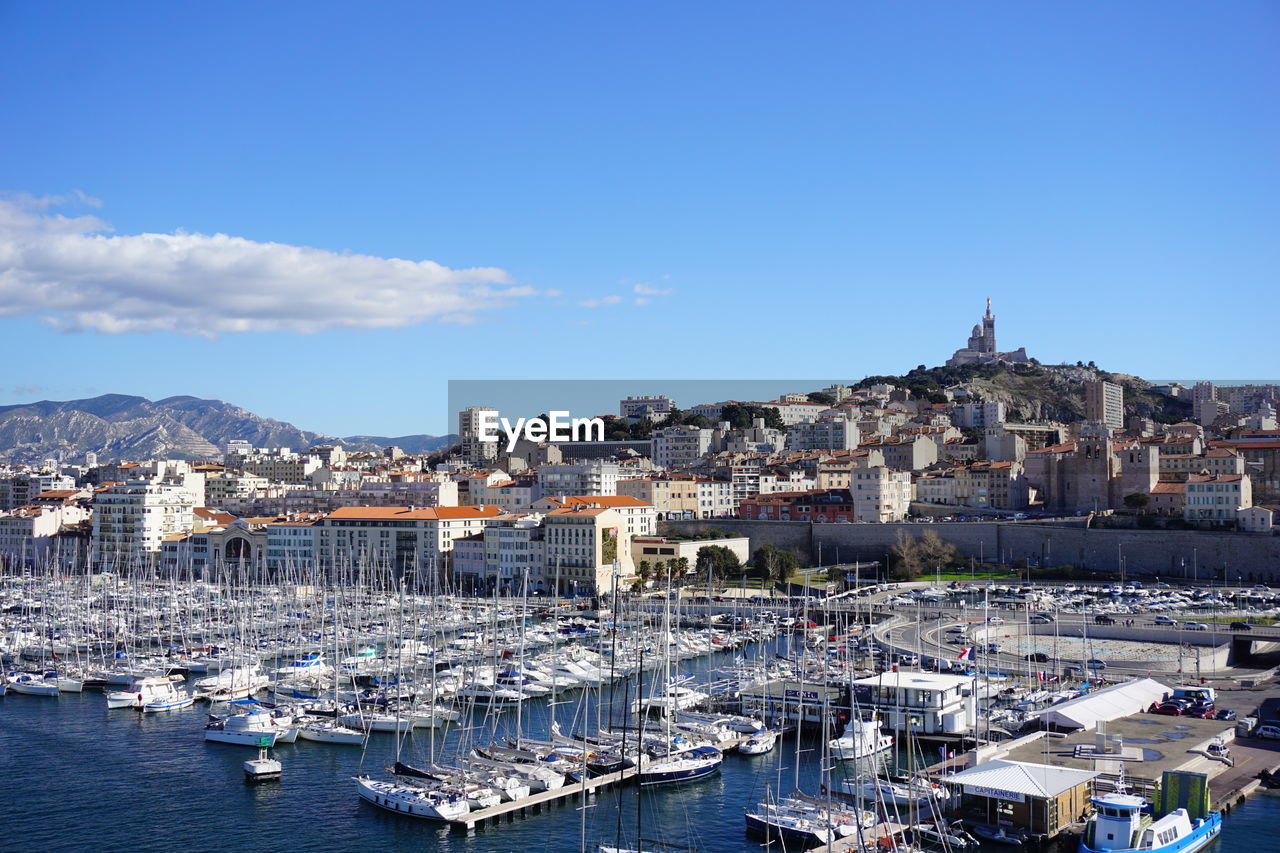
(1034, 780)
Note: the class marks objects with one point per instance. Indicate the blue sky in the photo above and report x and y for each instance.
(605, 190)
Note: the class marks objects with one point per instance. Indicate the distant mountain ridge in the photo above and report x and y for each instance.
(120, 426)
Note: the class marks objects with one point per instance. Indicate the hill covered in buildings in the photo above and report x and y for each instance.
(119, 426)
(1035, 392)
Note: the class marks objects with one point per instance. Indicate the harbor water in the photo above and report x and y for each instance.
(78, 777)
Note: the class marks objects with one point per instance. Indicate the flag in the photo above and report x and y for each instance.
(965, 654)
(1043, 676)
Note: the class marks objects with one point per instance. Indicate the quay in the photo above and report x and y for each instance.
(543, 799)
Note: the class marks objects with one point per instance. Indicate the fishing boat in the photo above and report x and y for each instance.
(1118, 825)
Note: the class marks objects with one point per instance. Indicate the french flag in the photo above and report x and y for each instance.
(965, 654)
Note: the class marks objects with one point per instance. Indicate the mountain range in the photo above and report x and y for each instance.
(119, 426)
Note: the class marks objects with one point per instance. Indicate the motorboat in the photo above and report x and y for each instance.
(861, 739)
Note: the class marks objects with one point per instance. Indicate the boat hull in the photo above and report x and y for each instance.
(1200, 835)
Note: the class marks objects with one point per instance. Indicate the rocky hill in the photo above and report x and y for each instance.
(1036, 392)
(118, 426)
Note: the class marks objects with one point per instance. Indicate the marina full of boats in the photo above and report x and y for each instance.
(474, 710)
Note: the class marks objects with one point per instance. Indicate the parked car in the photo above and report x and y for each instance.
(907, 660)
(1269, 732)
(1097, 663)
(1038, 657)
(1172, 709)
(1241, 626)
(1225, 714)
(1204, 712)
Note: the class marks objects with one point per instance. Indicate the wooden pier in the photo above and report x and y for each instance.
(536, 803)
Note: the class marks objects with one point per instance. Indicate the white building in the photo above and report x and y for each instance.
(978, 415)
(27, 533)
(640, 407)
(470, 427)
(498, 559)
(1216, 499)
(405, 539)
(640, 518)
(291, 544)
(924, 702)
(231, 487)
(589, 477)
(831, 430)
(681, 446)
(880, 495)
(715, 498)
(130, 520)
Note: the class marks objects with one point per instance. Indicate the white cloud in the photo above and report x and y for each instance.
(649, 290)
(603, 300)
(76, 275)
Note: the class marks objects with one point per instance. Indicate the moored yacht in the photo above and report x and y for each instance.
(861, 739)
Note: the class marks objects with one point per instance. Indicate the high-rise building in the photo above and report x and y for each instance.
(1104, 403)
(470, 427)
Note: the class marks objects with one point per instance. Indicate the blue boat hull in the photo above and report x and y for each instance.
(678, 775)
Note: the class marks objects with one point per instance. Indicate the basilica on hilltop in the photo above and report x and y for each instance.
(982, 345)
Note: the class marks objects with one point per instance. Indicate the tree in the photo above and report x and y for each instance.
(822, 398)
(908, 557)
(740, 416)
(904, 558)
(717, 559)
(773, 563)
(1137, 500)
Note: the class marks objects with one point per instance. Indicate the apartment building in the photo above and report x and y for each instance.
(589, 477)
(831, 430)
(413, 540)
(639, 518)
(1104, 403)
(681, 446)
(1216, 499)
(584, 546)
(670, 497)
(28, 533)
(130, 520)
(881, 495)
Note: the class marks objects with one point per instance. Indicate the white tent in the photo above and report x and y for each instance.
(1109, 703)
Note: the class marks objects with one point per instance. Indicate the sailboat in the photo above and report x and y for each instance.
(327, 730)
(685, 765)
